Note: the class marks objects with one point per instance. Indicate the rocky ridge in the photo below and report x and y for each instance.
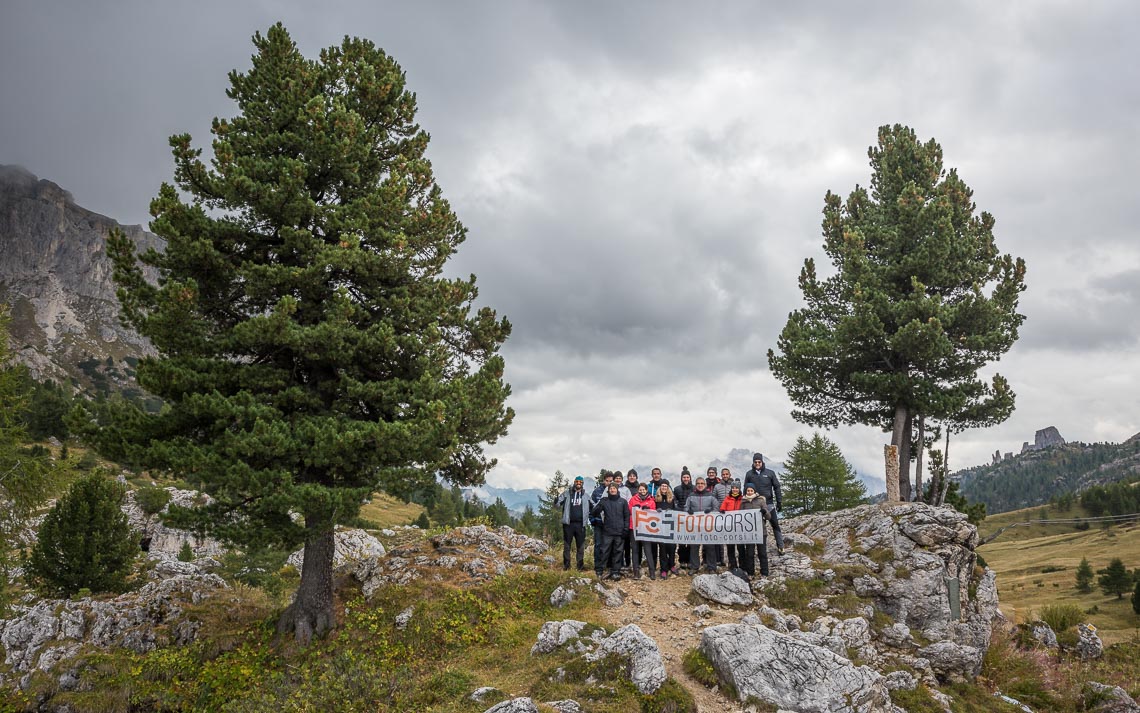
(56, 277)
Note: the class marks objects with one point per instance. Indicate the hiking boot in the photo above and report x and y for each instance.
(665, 574)
(652, 575)
(780, 551)
(637, 573)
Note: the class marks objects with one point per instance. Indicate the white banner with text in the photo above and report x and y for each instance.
(738, 527)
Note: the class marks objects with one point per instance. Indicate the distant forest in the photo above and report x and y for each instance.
(1038, 477)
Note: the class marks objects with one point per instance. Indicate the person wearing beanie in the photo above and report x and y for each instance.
(596, 522)
(751, 501)
(630, 489)
(767, 485)
(614, 513)
(575, 506)
(681, 496)
(710, 477)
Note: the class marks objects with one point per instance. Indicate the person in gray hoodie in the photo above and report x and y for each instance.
(701, 501)
(575, 504)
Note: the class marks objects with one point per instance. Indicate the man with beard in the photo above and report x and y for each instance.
(681, 496)
(575, 512)
(767, 486)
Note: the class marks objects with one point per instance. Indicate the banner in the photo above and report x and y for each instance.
(721, 528)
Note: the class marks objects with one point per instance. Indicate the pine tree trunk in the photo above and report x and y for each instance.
(311, 613)
(918, 460)
(901, 438)
(945, 469)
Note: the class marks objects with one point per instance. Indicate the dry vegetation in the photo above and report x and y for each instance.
(1037, 566)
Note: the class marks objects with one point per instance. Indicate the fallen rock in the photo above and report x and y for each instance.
(611, 596)
(1099, 698)
(567, 706)
(404, 618)
(783, 671)
(1089, 645)
(480, 694)
(953, 662)
(646, 670)
(1043, 634)
(514, 705)
(724, 588)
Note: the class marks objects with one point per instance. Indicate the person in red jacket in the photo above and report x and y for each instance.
(644, 501)
(731, 502)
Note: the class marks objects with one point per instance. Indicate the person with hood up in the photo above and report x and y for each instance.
(596, 522)
(681, 495)
(575, 506)
(666, 551)
(768, 486)
(751, 501)
(614, 513)
(701, 501)
(643, 500)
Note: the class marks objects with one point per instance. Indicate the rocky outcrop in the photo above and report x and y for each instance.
(644, 667)
(723, 588)
(1089, 645)
(915, 562)
(349, 546)
(785, 671)
(38, 637)
(1100, 698)
(1045, 438)
(164, 542)
(57, 277)
(467, 554)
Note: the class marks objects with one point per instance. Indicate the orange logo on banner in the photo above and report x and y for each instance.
(647, 520)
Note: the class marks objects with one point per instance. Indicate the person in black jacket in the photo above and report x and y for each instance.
(767, 485)
(681, 496)
(596, 522)
(614, 511)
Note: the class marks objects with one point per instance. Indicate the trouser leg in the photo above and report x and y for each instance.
(627, 548)
(668, 553)
(599, 563)
(683, 555)
(578, 530)
(762, 555)
(776, 532)
(567, 534)
(748, 559)
(611, 552)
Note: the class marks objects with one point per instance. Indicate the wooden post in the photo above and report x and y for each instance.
(891, 454)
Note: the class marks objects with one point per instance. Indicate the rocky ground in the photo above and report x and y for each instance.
(864, 602)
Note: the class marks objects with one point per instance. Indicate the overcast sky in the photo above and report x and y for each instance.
(642, 181)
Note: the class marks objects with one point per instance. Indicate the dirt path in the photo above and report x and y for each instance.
(662, 610)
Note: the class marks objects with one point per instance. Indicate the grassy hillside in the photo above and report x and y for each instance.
(1037, 566)
(387, 511)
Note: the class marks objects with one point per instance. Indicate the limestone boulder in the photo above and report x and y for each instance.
(723, 588)
(792, 674)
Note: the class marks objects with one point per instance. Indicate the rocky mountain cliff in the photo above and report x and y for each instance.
(56, 277)
(1051, 466)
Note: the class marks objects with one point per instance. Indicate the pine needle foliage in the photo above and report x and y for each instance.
(311, 349)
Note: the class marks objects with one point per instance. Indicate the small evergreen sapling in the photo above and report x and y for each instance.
(1084, 576)
(185, 553)
(85, 542)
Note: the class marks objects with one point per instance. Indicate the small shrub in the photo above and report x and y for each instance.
(1062, 616)
(151, 499)
(1052, 568)
(185, 553)
(670, 698)
(85, 541)
(698, 666)
(902, 572)
(916, 700)
(1094, 609)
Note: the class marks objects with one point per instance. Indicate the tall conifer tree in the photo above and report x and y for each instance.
(817, 478)
(920, 301)
(310, 348)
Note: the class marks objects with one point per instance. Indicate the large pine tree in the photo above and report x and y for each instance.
(310, 348)
(920, 301)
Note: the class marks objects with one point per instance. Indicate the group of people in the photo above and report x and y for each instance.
(609, 510)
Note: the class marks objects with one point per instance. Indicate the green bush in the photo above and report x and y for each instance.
(185, 553)
(85, 541)
(152, 499)
(1062, 616)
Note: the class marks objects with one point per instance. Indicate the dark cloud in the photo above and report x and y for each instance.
(642, 181)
